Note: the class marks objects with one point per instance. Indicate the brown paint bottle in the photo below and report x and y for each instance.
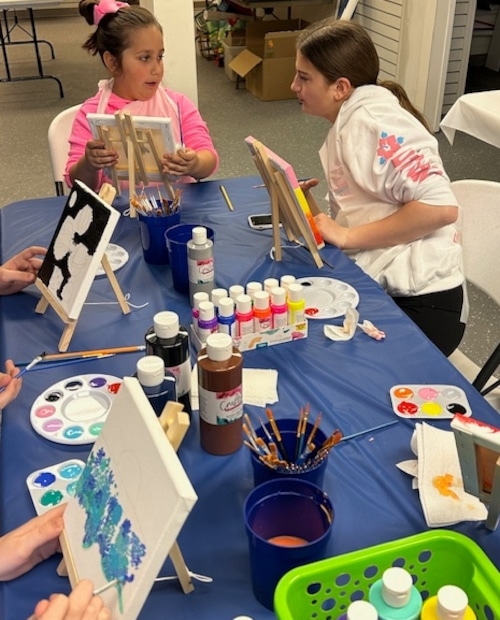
(220, 395)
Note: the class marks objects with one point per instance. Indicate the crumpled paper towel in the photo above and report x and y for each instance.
(347, 330)
(260, 387)
(439, 479)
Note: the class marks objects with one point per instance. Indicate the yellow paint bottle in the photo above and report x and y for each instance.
(450, 603)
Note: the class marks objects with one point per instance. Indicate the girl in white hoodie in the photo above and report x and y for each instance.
(391, 204)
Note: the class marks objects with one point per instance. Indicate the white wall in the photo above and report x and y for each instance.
(176, 18)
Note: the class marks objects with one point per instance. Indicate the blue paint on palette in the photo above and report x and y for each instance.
(120, 548)
(71, 470)
(44, 479)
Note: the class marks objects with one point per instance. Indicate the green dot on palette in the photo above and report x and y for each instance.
(51, 498)
(431, 408)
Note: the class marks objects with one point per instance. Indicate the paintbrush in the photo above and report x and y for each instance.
(277, 434)
(369, 430)
(69, 362)
(33, 363)
(51, 357)
(106, 586)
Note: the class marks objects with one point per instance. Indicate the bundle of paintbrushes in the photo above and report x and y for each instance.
(152, 206)
(289, 446)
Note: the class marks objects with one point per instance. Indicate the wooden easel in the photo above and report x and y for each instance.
(107, 193)
(283, 207)
(175, 423)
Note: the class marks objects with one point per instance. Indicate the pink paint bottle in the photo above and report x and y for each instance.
(262, 316)
(244, 315)
(279, 308)
(195, 312)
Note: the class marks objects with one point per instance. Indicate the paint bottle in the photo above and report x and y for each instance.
(360, 610)
(235, 291)
(207, 321)
(286, 280)
(244, 315)
(200, 257)
(279, 308)
(270, 283)
(252, 288)
(395, 597)
(158, 384)
(226, 317)
(215, 295)
(170, 341)
(195, 312)
(296, 304)
(221, 396)
(262, 317)
(450, 603)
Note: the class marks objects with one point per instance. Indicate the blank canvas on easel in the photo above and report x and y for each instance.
(130, 504)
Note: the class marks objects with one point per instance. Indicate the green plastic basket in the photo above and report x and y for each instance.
(324, 589)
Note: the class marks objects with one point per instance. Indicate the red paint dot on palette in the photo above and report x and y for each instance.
(403, 392)
(288, 541)
(311, 311)
(113, 388)
(408, 408)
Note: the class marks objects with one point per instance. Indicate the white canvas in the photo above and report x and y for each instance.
(130, 504)
(77, 247)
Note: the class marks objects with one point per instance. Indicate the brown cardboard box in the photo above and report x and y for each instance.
(268, 62)
(230, 52)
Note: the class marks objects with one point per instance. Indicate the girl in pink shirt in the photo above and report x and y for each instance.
(129, 40)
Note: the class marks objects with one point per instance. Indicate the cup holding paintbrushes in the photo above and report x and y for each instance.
(280, 435)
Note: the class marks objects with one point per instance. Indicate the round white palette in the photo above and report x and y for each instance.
(73, 411)
(327, 298)
(117, 257)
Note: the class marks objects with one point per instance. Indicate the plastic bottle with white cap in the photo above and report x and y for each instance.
(221, 395)
(360, 610)
(450, 603)
(395, 597)
(207, 321)
(195, 312)
(226, 317)
(252, 288)
(244, 315)
(279, 308)
(170, 341)
(296, 303)
(270, 283)
(200, 258)
(158, 384)
(216, 295)
(262, 316)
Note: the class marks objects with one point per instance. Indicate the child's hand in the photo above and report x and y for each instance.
(79, 605)
(12, 386)
(182, 163)
(331, 231)
(98, 156)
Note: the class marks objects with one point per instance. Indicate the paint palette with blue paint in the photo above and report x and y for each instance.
(429, 401)
(73, 411)
(54, 485)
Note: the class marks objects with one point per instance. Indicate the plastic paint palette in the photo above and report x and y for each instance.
(73, 411)
(327, 298)
(429, 401)
(54, 485)
(117, 257)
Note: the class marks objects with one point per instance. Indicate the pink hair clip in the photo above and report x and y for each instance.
(106, 6)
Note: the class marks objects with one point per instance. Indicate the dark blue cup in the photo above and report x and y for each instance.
(287, 511)
(153, 229)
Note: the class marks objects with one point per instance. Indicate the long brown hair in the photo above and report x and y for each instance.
(339, 48)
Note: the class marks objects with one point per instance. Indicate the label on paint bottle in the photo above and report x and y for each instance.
(220, 408)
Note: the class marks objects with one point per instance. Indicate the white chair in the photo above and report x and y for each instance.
(479, 225)
(58, 137)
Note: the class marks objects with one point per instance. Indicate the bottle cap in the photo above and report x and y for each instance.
(278, 296)
(226, 307)
(244, 304)
(361, 610)
(396, 587)
(285, 281)
(166, 324)
(452, 602)
(150, 370)
(261, 300)
(295, 292)
(253, 287)
(216, 295)
(235, 291)
(199, 235)
(198, 298)
(219, 347)
(207, 311)
(270, 283)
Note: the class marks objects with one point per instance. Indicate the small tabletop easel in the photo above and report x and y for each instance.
(284, 208)
(107, 194)
(175, 423)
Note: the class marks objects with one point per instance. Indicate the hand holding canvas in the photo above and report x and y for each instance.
(97, 156)
(20, 270)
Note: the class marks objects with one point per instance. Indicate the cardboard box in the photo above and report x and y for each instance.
(236, 38)
(230, 52)
(268, 62)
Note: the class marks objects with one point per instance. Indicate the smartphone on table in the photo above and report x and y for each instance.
(261, 221)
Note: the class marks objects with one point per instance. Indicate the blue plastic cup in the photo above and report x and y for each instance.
(153, 229)
(295, 511)
(176, 239)
(288, 431)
